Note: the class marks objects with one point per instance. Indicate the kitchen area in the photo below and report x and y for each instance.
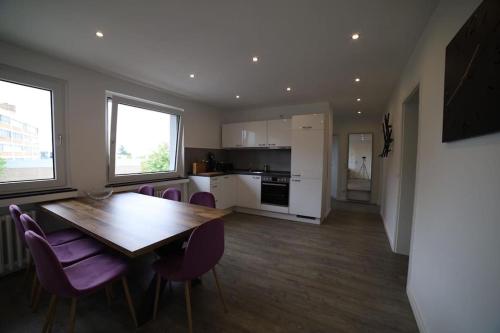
(276, 168)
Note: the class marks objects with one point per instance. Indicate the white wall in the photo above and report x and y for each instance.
(342, 126)
(85, 113)
(285, 111)
(454, 270)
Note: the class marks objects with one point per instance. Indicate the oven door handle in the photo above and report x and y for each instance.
(274, 184)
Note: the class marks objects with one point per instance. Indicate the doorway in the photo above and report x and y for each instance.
(408, 171)
(359, 166)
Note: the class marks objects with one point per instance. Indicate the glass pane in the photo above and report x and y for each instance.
(145, 141)
(26, 148)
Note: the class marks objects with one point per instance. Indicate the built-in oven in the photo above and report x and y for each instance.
(275, 190)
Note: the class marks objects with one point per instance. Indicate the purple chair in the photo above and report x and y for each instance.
(146, 190)
(67, 253)
(203, 199)
(80, 279)
(54, 238)
(204, 250)
(172, 194)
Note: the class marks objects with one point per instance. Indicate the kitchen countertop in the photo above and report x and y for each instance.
(246, 172)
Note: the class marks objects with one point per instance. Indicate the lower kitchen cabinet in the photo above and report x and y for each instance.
(222, 187)
(248, 191)
(305, 197)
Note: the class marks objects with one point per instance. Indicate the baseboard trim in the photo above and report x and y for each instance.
(416, 311)
(275, 215)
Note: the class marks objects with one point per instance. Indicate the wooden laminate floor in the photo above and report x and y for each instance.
(277, 276)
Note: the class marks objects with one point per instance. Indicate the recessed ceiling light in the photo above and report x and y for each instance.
(191, 76)
(237, 96)
(255, 59)
(359, 99)
(288, 88)
(357, 79)
(359, 112)
(355, 36)
(99, 34)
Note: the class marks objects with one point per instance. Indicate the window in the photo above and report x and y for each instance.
(143, 140)
(31, 131)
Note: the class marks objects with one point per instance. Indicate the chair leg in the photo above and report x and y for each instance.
(72, 315)
(33, 288)
(108, 294)
(219, 289)
(187, 290)
(50, 315)
(37, 298)
(129, 300)
(29, 265)
(157, 295)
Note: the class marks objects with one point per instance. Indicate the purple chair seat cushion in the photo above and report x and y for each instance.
(93, 273)
(170, 266)
(63, 236)
(71, 252)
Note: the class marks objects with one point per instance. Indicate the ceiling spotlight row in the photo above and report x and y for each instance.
(255, 59)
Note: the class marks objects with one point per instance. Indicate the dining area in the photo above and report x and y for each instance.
(153, 241)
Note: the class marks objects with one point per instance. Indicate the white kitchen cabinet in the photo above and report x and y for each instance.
(222, 187)
(232, 135)
(279, 133)
(248, 191)
(308, 121)
(305, 197)
(228, 184)
(255, 134)
(307, 153)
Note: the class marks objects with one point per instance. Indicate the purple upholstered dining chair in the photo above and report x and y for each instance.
(172, 194)
(203, 199)
(53, 238)
(146, 190)
(204, 250)
(67, 253)
(80, 279)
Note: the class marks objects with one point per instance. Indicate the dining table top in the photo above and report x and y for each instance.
(132, 223)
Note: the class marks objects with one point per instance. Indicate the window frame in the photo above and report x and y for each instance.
(59, 154)
(111, 127)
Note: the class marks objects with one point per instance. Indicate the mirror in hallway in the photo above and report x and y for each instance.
(359, 166)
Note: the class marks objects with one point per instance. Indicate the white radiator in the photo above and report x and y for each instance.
(13, 256)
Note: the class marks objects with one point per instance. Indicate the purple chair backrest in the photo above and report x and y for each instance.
(204, 250)
(30, 225)
(203, 199)
(48, 268)
(147, 190)
(15, 214)
(172, 194)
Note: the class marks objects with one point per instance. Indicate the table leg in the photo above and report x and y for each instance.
(145, 310)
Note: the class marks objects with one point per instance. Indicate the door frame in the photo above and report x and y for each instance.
(416, 90)
(347, 168)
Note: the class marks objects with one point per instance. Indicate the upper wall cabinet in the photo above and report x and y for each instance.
(279, 133)
(308, 121)
(255, 134)
(232, 135)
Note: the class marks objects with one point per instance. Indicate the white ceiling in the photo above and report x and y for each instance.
(305, 44)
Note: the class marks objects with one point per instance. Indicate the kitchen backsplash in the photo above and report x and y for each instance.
(278, 159)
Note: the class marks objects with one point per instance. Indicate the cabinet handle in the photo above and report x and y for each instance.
(272, 144)
(306, 127)
(214, 186)
(256, 177)
(295, 175)
(296, 180)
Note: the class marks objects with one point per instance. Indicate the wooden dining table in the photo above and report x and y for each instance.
(133, 224)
